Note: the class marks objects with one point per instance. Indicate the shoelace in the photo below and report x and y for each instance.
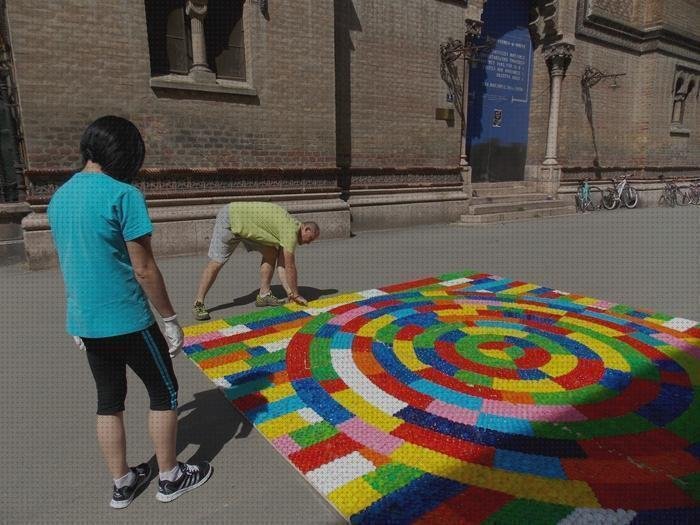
(190, 469)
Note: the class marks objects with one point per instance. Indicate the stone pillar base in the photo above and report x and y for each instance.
(466, 172)
(201, 75)
(548, 179)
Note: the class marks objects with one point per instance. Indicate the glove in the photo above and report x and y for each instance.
(173, 335)
(79, 342)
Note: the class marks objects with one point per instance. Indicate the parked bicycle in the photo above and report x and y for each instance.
(622, 192)
(674, 195)
(588, 198)
(692, 192)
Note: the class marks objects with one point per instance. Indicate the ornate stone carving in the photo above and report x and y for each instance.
(404, 178)
(544, 22)
(558, 57)
(472, 28)
(684, 84)
(197, 8)
(450, 54)
(163, 183)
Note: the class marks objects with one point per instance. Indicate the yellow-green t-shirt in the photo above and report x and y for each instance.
(264, 223)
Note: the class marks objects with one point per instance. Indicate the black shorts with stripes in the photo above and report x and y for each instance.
(146, 353)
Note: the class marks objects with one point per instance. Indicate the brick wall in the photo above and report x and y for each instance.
(619, 115)
(89, 58)
(396, 85)
(85, 58)
(683, 15)
(669, 148)
(354, 82)
(621, 10)
(631, 123)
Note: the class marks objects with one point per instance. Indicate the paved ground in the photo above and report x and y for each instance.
(52, 471)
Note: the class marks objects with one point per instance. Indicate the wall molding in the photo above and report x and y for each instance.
(164, 183)
(599, 25)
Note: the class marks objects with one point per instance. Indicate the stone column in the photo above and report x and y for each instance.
(472, 29)
(197, 11)
(558, 57)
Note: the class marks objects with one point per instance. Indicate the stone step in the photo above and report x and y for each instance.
(504, 184)
(515, 216)
(498, 188)
(12, 252)
(520, 197)
(507, 207)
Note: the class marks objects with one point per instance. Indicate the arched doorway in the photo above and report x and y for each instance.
(499, 94)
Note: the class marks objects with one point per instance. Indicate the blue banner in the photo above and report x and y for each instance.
(499, 94)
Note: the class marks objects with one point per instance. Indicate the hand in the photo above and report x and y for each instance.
(79, 342)
(173, 335)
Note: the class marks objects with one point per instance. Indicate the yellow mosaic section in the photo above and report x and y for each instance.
(528, 486)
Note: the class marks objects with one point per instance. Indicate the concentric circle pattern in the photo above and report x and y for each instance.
(472, 398)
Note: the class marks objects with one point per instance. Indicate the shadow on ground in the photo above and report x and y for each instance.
(309, 293)
(209, 421)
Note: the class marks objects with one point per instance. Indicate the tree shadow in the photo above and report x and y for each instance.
(308, 292)
(588, 106)
(345, 22)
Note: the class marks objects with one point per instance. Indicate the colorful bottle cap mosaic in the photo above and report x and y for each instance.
(471, 398)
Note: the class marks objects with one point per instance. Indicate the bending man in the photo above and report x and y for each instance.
(264, 227)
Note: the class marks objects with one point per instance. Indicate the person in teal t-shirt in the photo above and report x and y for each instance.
(267, 228)
(102, 231)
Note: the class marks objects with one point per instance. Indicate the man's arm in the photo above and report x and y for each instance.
(148, 275)
(287, 271)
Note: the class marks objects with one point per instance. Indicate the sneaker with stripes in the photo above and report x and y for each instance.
(191, 477)
(122, 497)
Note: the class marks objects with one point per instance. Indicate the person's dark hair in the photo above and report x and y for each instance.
(115, 144)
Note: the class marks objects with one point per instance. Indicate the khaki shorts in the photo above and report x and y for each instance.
(224, 242)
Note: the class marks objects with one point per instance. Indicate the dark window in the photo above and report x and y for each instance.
(224, 37)
(169, 39)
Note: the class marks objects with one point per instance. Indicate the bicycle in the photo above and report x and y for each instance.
(588, 198)
(622, 192)
(694, 192)
(673, 195)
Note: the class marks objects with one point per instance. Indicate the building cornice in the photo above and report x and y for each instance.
(596, 24)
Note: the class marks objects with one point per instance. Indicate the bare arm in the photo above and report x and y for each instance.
(148, 275)
(287, 270)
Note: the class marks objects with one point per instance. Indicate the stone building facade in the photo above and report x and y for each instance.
(341, 110)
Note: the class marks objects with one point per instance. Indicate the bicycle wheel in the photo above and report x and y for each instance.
(587, 204)
(682, 196)
(695, 196)
(595, 198)
(610, 200)
(630, 198)
(666, 199)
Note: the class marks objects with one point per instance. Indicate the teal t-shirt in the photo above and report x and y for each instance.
(92, 216)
